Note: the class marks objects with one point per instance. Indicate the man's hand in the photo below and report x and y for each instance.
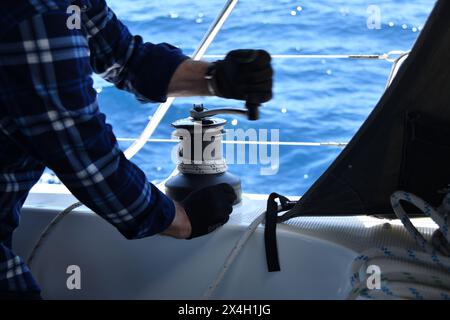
(202, 212)
(209, 208)
(243, 75)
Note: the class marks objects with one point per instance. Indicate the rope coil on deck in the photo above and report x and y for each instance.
(406, 273)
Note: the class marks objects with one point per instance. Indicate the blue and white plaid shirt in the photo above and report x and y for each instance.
(49, 117)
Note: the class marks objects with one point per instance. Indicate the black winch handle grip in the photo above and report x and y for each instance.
(252, 110)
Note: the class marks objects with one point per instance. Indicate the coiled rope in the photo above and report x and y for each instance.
(406, 273)
(202, 162)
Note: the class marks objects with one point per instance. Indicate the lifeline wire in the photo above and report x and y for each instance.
(390, 56)
(394, 56)
(253, 142)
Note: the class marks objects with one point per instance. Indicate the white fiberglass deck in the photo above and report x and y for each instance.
(315, 255)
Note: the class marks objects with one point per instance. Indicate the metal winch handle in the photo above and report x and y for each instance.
(252, 112)
(198, 115)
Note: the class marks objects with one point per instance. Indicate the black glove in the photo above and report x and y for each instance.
(209, 208)
(243, 75)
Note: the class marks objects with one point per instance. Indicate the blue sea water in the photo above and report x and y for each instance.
(315, 100)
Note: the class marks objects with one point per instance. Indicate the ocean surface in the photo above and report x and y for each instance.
(316, 100)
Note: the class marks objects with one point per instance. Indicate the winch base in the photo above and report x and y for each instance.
(180, 186)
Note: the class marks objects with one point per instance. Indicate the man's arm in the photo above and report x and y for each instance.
(189, 80)
(54, 117)
(142, 68)
(154, 71)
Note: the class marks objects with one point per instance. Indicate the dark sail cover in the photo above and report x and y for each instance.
(405, 142)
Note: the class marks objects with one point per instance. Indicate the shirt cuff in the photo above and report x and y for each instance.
(157, 67)
(161, 217)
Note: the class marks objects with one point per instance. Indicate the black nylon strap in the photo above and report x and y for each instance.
(270, 231)
(270, 235)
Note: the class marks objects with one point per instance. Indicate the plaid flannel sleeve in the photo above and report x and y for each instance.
(56, 119)
(125, 60)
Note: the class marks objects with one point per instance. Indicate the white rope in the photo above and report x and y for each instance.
(234, 253)
(439, 218)
(406, 273)
(48, 230)
(206, 167)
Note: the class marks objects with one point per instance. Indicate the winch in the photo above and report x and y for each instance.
(200, 153)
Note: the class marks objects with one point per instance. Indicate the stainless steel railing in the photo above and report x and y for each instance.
(199, 53)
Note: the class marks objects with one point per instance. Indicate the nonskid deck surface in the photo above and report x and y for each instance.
(316, 254)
